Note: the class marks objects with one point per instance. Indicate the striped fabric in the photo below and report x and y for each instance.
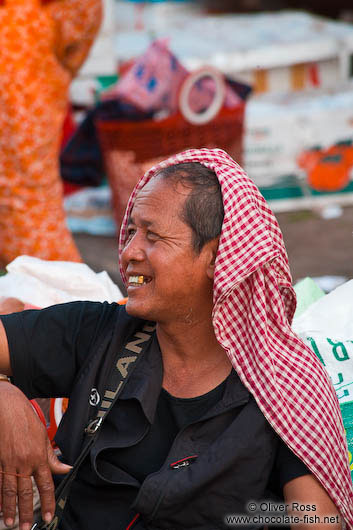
(254, 304)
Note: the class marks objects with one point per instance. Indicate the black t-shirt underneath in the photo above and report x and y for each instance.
(172, 415)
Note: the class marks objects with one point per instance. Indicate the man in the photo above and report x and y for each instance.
(224, 396)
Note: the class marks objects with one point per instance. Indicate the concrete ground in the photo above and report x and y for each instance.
(316, 246)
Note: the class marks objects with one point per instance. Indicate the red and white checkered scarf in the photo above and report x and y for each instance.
(254, 304)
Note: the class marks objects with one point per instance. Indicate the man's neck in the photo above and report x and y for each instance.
(193, 360)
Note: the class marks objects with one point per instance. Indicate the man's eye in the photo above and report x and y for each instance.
(152, 236)
(130, 233)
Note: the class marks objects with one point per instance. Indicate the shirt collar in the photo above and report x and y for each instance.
(146, 382)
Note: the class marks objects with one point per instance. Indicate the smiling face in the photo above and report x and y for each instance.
(167, 279)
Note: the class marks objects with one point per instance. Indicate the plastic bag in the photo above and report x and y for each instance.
(43, 283)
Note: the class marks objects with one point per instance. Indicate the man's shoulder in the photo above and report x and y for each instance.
(110, 316)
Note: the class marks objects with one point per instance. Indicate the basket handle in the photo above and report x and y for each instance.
(200, 118)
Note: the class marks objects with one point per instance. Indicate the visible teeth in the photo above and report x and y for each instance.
(137, 279)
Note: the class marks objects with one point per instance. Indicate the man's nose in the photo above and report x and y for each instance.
(134, 250)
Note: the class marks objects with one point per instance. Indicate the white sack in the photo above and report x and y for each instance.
(43, 283)
(327, 328)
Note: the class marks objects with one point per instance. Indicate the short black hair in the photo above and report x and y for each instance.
(203, 209)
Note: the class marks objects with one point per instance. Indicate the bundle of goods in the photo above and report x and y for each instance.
(298, 147)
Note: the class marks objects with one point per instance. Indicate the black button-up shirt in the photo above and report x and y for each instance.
(212, 468)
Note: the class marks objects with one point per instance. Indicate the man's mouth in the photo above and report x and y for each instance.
(137, 281)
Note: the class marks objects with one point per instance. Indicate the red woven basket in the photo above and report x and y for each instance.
(130, 148)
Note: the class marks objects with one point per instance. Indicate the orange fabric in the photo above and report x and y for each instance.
(41, 48)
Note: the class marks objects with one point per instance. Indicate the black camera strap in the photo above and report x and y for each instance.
(124, 364)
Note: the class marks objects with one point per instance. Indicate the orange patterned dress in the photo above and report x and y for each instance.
(41, 49)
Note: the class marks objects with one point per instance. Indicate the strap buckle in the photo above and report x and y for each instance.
(93, 426)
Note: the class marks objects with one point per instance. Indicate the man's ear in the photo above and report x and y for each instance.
(211, 256)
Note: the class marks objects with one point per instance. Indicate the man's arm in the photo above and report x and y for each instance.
(25, 451)
(322, 514)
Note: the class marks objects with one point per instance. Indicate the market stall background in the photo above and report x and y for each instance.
(299, 64)
(301, 68)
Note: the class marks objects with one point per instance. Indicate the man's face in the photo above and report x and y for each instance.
(167, 280)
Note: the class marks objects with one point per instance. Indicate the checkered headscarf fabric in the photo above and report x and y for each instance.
(254, 304)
